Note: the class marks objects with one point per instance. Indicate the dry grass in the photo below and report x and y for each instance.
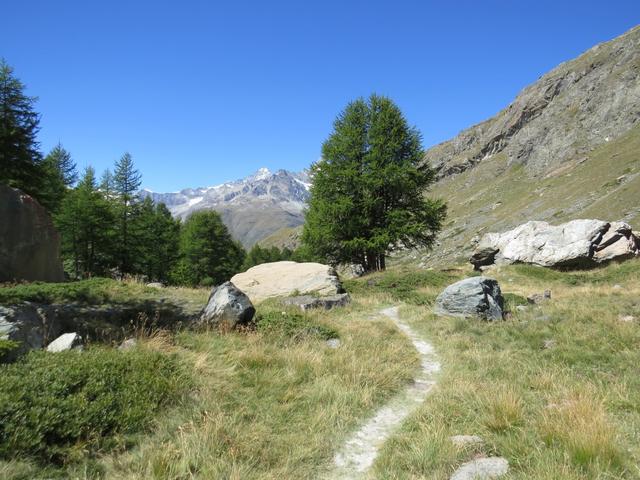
(566, 412)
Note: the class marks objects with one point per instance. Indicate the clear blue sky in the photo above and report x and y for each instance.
(201, 92)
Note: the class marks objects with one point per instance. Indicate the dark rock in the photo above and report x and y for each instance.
(483, 256)
(308, 302)
(227, 306)
(29, 243)
(472, 297)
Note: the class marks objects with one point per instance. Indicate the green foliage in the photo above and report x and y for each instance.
(20, 159)
(157, 240)
(7, 346)
(126, 181)
(93, 291)
(367, 197)
(207, 251)
(85, 223)
(292, 325)
(58, 407)
(258, 255)
(61, 174)
(512, 300)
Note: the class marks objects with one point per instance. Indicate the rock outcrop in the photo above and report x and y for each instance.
(29, 243)
(309, 302)
(472, 297)
(282, 279)
(227, 307)
(579, 243)
(482, 469)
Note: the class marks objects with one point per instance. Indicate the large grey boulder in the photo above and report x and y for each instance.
(308, 302)
(482, 469)
(29, 243)
(228, 306)
(472, 297)
(27, 324)
(282, 279)
(578, 243)
(67, 341)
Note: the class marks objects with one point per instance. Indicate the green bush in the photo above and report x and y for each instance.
(6, 346)
(61, 407)
(292, 325)
(512, 300)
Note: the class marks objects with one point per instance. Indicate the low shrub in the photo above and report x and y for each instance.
(292, 325)
(7, 346)
(61, 407)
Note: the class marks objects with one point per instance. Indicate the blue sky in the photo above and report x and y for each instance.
(201, 92)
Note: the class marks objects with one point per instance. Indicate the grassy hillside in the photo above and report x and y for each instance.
(604, 184)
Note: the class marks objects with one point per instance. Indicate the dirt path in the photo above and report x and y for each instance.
(359, 452)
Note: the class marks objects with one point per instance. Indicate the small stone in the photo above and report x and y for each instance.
(538, 298)
(626, 318)
(333, 343)
(466, 440)
(548, 344)
(521, 308)
(128, 344)
(482, 469)
(617, 287)
(155, 285)
(66, 341)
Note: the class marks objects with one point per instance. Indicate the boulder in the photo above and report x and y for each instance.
(472, 297)
(128, 344)
(29, 243)
(66, 341)
(227, 306)
(282, 279)
(308, 302)
(578, 243)
(28, 325)
(482, 469)
(462, 441)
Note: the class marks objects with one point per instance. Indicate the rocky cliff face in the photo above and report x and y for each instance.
(252, 208)
(582, 103)
(565, 148)
(29, 243)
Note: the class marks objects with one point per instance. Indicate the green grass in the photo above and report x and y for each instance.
(569, 411)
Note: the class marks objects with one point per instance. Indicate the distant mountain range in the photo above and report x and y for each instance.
(252, 208)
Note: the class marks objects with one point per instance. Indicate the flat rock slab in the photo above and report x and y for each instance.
(482, 469)
(308, 302)
(282, 279)
(472, 297)
(66, 341)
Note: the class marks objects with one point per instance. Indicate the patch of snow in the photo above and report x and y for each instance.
(193, 201)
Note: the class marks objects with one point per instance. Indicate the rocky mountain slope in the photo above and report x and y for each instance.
(567, 147)
(252, 208)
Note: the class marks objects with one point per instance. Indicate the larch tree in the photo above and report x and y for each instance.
(368, 192)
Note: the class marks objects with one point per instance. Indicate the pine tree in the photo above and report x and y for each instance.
(107, 183)
(84, 222)
(209, 255)
(159, 240)
(20, 159)
(367, 197)
(126, 181)
(60, 174)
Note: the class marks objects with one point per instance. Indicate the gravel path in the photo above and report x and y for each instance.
(359, 452)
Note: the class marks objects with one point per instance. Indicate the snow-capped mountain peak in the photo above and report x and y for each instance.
(252, 207)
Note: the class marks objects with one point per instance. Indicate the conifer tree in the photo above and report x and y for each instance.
(84, 222)
(60, 174)
(209, 255)
(20, 159)
(126, 181)
(367, 197)
(159, 240)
